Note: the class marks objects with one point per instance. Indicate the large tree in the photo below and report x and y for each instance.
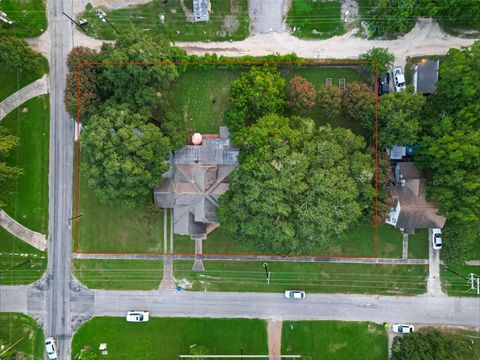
(382, 59)
(358, 104)
(146, 68)
(124, 156)
(257, 92)
(329, 101)
(8, 174)
(301, 94)
(450, 145)
(87, 79)
(297, 188)
(399, 118)
(16, 54)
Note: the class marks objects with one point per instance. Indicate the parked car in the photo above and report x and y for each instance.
(398, 79)
(138, 316)
(402, 328)
(294, 294)
(436, 238)
(384, 85)
(51, 348)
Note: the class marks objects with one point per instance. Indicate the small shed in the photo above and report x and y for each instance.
(201, 10)
(425, 76)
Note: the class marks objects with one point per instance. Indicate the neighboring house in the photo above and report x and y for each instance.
(198, 175)
(411, 211)
(425, 76)
(398, 152)
(201, 10)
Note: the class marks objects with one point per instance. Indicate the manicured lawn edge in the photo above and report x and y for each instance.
(16, 326)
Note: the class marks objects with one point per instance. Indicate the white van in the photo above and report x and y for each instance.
(398, 79)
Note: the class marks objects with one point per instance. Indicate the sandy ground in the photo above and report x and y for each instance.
(426, 38)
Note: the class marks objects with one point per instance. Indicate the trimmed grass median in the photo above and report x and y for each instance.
(24, 330)
(167, 338)
(334, 340)
(31, 123)
(119, 274)
(311, 277)
(29, 17)
(20, 263)
(229, 20)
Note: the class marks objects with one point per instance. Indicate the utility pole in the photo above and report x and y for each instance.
(103, 16)
(73, 21)
(474, 282)
(265, 266)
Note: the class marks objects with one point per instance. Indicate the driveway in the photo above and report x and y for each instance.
(267, 16)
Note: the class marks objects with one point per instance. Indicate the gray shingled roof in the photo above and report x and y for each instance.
(196, 179)
(426, 76)
(415, 211)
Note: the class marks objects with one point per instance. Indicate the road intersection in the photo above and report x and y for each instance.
(61, 304)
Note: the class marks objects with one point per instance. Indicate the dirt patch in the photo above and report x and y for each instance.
(274, 329)
(230, 24)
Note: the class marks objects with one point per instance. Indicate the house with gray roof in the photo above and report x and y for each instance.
(201, 10)
(411, 211)
(425, 76)
(198, 175)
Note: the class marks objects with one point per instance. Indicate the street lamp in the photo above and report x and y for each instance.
(265, 266)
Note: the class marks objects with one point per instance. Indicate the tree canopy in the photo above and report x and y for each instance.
(399, 118)
(450, 145)
(301, 94)
(297, 187)
(124, 155)
(16, 54)
(382, 57)
(8, 174)
(257, 92)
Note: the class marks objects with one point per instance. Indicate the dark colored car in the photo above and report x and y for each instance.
(384, 84)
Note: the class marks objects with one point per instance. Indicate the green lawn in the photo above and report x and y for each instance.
(12, 81)
(334, 340)
(311, 277)
(106, 227)
(228, 21)
(456, 286)
(28, 16)
(119, 274)
(315, 19)
(418, 245)
(31, 123)
(200, 97)
(167, 338)
(18, 327)
(357, 242)
(14, 252)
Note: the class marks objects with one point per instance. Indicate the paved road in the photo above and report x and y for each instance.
(419, 309)
(58, 320)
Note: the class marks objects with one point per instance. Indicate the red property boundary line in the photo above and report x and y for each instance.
(248, 63)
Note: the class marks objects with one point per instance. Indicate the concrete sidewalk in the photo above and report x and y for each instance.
(33, 238)
(36, 88)
(233, 257)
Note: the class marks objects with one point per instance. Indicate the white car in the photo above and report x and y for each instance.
(138, 316)
(294, 294)
(436, 239)
(51, 348)
(398, 79)
(402, 328)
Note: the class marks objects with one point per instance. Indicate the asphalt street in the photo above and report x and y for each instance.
(420, 309)
(58, 319)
